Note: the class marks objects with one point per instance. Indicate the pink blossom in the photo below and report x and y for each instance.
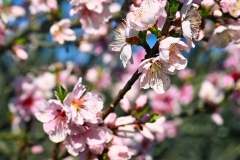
(231, 6)
(125, 105)
(61, 31)
(186, 74)
(217, 13)
(93, 136)
(36, 149)
(155, 74)
(208, 3)
(25, 104)
(55, 120)
(217, 118)
(82, 106)
(92, 14)
(119, 152)
(165, 103)
(169, 49)
(145, 16)
(141, 102)
(187, 93)
(208, 92)
(20, 52)
(43, 6)
(65, 77)
(110, 120)
(225, 5)
(46, 82)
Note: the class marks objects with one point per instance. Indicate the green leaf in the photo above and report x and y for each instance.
(153, 117)
(155, 31)
(20, 41)
(142, 112)
(61, 93)
(205, 11)
(174, 5)
(142, 35)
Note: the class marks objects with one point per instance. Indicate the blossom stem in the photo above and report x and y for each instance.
(55, 151)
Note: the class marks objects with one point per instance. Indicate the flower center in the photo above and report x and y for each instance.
(78, 103)
(156, 66)
(173, 49)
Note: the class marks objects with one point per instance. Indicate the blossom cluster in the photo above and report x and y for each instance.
(151, 15)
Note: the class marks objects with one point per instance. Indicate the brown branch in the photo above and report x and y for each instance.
(121, 93)
(55, 151)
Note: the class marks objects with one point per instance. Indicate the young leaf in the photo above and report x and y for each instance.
(61, 93)
(153, 117)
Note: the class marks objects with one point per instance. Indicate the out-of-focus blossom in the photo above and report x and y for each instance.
(20, 52)
(36, 149)
(155, 74)
(186, 74)
(26, 102)
(114, 7)
(11, 13)
(186, 94)
(231, 6)
(43, 6)
(61, 31)
(65, 77)
(92, 14)
(208, 3)
(165, 103)
(99, 77)
(217, 118)
(46, 82)
(223, 35)
(85, 46)
(55, 120)
(119, 152)
(125, 105)
(169, 49)
(94, 136)
(209, 93)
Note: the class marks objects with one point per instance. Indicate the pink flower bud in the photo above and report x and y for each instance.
(145, 118)
(217, 13)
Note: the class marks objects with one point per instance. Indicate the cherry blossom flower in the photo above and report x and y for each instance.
(155, 74)
(20, 52)
(145, 16)
(93, 136)
(223, 35)
(61, 31)
(119, 152)
(82, 106)
(43, 6)
(55, 120)
(26, 102)
(166, 103)
(208, 92)
(191, 21)
(231, 6)
(120, 43)
(169, 49)
(92, 14)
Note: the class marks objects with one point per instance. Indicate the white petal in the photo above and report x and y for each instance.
(126, 54)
